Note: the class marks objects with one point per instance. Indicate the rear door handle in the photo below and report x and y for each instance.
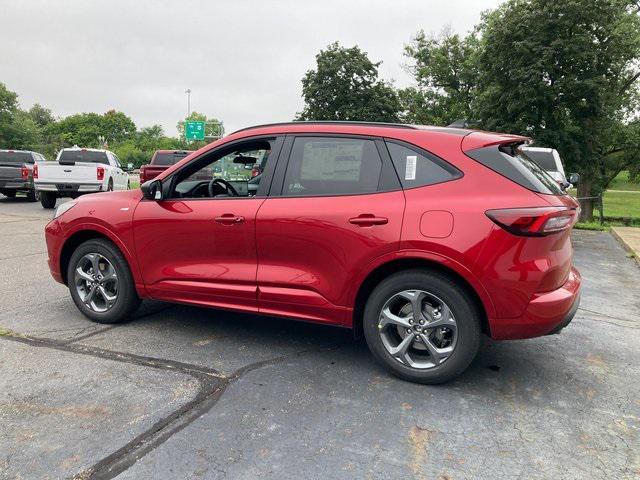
(229, 219)
(368, 220)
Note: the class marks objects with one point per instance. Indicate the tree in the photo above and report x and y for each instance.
(90, 129)
(446, 72)
(116, 126)
(345, 86)
(40, 115)
(565, 73)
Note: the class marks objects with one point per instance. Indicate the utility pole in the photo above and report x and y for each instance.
(188, 92)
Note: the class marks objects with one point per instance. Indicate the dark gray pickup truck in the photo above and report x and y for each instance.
(16, 172)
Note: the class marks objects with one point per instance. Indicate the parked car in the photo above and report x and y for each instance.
(421, 238)
(77, 171)
(549, 160)
(16, 172)
(161, 160)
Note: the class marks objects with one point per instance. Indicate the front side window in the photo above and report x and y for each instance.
(332, 166)
(231, 173)
(419, 168)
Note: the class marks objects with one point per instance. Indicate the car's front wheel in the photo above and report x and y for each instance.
(100, 282)
(422, 326)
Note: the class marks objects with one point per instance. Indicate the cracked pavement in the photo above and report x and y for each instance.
(183, 392)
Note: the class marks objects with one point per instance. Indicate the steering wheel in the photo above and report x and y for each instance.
(232, 192)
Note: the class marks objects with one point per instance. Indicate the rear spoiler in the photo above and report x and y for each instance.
(476, 140)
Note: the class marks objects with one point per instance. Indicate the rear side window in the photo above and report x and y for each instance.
(419, 168)
(332, 166)
(168, 158)
(71, 156)
(511, 162)
(545, 159)
(16, 157)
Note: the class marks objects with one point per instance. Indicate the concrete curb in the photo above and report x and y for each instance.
(623, 239)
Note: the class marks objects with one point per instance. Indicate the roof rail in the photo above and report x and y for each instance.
(330, 122)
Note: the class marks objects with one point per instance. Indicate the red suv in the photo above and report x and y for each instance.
(422, 238)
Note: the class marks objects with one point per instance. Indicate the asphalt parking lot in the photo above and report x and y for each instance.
(181, 392)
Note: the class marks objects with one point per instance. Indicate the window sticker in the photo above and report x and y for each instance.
(410, 168)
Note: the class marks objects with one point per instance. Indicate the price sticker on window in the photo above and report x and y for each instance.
(410, 168)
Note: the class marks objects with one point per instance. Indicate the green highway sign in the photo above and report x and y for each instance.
(194, 130)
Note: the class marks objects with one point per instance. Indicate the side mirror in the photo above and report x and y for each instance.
(574, 178)
(152, 190)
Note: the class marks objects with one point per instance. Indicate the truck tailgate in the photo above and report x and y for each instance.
(53, 172)
(10, 171)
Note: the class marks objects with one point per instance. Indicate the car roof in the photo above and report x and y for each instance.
(539, 149)
(174, 151)
(16, 151)
(293, 126)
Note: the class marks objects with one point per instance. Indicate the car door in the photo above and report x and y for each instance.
(202, 250)
(338, 205)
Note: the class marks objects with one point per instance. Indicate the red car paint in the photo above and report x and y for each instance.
(308, 258)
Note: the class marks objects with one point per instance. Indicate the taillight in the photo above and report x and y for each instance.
(535, 221)
(100, 173)
(142, 180)
(25, 173)
(35, 171)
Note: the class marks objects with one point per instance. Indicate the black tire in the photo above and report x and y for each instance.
(110, 185)
(48, 199)
(127, 300)
(462, 306)
(33, 195)
(9, 193)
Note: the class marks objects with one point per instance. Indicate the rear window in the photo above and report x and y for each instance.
(168, 158)
(16, 157)
(83, 156)
(545, 159)
(511, 162)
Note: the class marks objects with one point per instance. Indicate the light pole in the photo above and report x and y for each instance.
(188, 92)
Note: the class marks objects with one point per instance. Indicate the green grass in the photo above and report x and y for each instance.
(134, 185)
(621, 204)
(592, 226)
(621, 182)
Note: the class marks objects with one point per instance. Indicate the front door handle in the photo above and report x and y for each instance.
(368, 220)
(229, 219)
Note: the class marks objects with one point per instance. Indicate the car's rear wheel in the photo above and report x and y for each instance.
(100, 282)
(110, 186)
(48, 199)
(422, 326)
(33, 195)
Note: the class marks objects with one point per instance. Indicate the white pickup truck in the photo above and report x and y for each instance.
(77, 171)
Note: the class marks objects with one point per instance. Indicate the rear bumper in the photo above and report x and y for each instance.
(547, 313)
(69, 188)
(17, 184)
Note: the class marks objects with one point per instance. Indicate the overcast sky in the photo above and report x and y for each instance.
(243, 60)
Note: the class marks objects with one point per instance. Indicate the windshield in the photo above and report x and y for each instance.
(168, 158)
(69, 156)
(16, 157)
(545, 159)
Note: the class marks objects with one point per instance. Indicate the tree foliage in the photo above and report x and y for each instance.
(37, 129)
(445, 69)
(345, 85)
(564, 73)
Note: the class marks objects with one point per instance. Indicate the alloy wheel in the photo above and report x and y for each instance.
(96, 282)
(418, 329)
